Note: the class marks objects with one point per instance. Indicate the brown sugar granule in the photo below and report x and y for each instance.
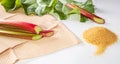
(100, 37)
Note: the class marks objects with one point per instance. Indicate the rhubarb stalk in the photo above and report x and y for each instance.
(87, 14)
(47, 33)
(20, 35)
(32, 28)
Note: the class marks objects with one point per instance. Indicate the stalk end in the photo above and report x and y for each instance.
(36, 37)
(99, 20)
(37, 29)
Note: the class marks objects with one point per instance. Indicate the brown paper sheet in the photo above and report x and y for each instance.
(3, 14)
(62, 38)
(8, 42)
(8, 57)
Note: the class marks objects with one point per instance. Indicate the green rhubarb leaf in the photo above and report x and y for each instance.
(74, 11)
(53, 3)
(88, 5)
(29, 6)
(69, 1)
(58, 9)
(66, 10)
(83, 18)
(17, 3)
(78, 3)
(10, 5)
(43, 7)
(39, 7)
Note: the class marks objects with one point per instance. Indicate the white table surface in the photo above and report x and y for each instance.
(84, 53)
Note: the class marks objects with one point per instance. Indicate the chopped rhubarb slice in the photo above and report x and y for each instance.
(19, 25)
(87, 14)
(47, 33)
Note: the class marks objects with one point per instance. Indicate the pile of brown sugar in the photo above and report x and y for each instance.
(100, 37)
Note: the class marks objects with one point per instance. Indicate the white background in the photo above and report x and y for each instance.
(84, 53)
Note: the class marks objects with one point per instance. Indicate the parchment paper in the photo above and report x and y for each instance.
(20, 49)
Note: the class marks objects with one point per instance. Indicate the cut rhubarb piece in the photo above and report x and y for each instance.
(21, 26)
(20, 35)
(47, 33)
(87, 14)
(36, 37)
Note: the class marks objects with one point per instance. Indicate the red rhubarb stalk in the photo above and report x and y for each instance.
(87, 14)
(47, 33)
(32, 28)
